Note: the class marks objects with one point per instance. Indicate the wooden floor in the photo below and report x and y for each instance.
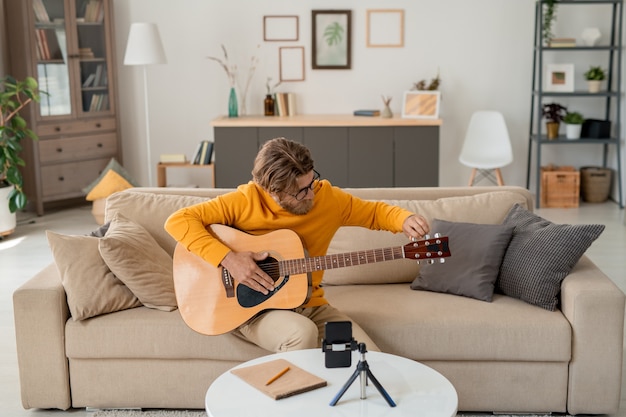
(26, 251)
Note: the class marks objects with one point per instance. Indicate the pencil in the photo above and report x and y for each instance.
(278, 375)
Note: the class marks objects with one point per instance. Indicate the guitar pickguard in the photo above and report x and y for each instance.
(248, 297)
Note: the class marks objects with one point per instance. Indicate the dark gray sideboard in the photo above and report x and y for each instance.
(349, 151)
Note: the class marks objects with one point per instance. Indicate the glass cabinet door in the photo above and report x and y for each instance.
(52, 59)
(92, 52)
(71, 57)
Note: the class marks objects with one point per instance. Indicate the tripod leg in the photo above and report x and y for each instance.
(345, 387)
(380, 388)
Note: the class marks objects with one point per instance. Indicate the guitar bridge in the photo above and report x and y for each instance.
(227, 281)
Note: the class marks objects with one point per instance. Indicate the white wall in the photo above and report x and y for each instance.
(483, 49)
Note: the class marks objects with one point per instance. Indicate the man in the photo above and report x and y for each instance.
(286, 193)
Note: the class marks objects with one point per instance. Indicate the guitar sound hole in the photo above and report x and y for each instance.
(269, 265)
(247, 297)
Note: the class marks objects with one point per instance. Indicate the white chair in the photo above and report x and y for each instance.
(487, 147)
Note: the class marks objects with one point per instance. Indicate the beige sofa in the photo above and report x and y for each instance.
(502, 356)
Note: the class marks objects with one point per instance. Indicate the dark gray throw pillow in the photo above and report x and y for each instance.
(540, 256)
(472, 269)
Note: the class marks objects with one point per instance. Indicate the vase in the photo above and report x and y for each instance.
(573, 131)
(553, 130)
(594, 86)
(590, 36)
(7, 219)
(233, 110)
(268, 105)
(386, 113)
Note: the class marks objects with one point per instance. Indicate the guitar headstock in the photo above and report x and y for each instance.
(428, 249)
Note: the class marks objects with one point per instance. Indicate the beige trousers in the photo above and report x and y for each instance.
(301, 328)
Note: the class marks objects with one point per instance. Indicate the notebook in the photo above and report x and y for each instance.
(295, 381)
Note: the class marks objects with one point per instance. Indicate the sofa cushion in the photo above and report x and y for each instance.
(151, 334)
(90, 286)
(472, 269)
(134, 205)
(424, 325)
(139, 262)
(540, 256)
(487, 208)
(112, 182)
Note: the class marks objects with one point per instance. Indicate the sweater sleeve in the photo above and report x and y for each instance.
(189, 227)
(374, 215)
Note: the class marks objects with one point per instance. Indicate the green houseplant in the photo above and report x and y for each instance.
(549, 17)
(573, 124)
(14, 96)
(594, 76)
(554, 114)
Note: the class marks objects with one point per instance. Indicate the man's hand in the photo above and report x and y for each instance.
(242, 266)
(415, 226)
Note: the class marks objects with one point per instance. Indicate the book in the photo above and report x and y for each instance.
(295, 381)
(205, 146)
(173, 158)
(195, 159)
(209, 153)
(370, 113)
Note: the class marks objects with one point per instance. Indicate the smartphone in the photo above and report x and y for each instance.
(337, 344)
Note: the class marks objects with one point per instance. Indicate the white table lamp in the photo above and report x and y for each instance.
(144, 48)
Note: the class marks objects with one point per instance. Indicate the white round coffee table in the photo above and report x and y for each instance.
(415, 388)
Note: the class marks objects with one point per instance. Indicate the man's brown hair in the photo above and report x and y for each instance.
(279, 163)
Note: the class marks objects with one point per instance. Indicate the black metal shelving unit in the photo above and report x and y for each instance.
(612, 94)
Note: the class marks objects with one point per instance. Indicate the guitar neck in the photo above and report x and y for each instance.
(340, 260)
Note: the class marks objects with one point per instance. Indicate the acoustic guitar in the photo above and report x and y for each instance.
(211, 302)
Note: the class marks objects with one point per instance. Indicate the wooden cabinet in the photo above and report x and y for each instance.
(349, 151)
(67, 46)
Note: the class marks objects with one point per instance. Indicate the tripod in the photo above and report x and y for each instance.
(363, 371)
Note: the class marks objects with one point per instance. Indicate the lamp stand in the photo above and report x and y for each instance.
(148, 149)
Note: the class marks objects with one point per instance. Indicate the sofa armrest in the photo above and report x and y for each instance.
(41, 310)
(594, 306)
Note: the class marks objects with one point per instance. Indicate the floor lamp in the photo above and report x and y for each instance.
(144, 48)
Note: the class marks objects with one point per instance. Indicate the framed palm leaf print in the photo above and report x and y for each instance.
(331, 39)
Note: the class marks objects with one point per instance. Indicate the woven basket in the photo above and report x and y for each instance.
(595, 184)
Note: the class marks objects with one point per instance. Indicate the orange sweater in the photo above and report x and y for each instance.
(253, 210)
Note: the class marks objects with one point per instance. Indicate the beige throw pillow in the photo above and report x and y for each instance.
(90, 286)
(139, 262)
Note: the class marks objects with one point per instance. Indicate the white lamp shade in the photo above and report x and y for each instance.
(144, 45)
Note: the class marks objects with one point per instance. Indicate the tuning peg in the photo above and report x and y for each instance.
(437, 235)
(426, 237)
(431, 261)
(442, 260)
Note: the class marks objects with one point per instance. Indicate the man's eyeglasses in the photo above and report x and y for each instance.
(304, 191)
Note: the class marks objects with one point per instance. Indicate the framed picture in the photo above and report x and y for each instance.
(281, 28)
(291, 63)
(421, 104)
(559, 77)
(385, 28)
(331, 39)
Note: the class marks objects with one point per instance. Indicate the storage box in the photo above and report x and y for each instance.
(595, 184)
(597, 129)
(560, 186)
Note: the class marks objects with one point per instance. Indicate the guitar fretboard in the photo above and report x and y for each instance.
(339, 260)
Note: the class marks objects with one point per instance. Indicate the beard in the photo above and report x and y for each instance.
(296, 207)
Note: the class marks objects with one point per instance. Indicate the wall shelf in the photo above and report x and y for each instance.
(611, 95)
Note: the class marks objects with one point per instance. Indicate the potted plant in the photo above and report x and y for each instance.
(594, 77)
(573, 124)
(14, 96)
(549, 16)
(554, 114)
